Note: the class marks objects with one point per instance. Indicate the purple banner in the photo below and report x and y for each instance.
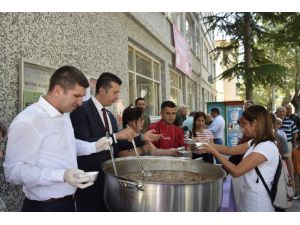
(183, 52)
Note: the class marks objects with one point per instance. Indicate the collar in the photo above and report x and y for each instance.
(162, 122)
(98, 105)
(50, 109)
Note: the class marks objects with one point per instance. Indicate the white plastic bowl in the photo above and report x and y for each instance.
(92, 175)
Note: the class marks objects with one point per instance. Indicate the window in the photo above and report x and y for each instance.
(209, 64)
(189, 31)
(175, 87)
(205, 57)
(199, 104)
(143, 65)
(206, 97)
(144, 79)
(203, 100)
(198, 45)
(175, 17)
(191, 94)
(211, 97)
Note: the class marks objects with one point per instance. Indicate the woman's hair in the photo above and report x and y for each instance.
(196, 116)
(131, 114)
(264, 129)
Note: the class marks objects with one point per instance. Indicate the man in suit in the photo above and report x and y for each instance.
(91, 121)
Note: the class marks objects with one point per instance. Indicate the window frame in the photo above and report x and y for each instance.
(152, 79)
(192, 84)
(177, 89)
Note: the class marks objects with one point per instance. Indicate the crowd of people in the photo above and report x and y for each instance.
(69, 137)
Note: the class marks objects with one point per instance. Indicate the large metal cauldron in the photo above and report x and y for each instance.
(121, 195)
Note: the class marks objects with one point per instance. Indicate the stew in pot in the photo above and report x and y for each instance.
(170, 176)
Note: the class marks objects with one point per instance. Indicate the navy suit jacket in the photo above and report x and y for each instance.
(88, 126)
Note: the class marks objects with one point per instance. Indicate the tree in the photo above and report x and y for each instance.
(287, 38)
(250, 63)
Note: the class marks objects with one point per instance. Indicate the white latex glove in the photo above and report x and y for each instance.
(77, 178)
(103, 144)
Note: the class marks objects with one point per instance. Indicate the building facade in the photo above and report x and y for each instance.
(226, 89)
(138, 47)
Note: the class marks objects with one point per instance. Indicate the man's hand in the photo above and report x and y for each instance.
(77, 178)
(150, 136)
(103, 144)
(1, 154)
(126, 134)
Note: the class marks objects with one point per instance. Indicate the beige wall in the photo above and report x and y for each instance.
(226, 90)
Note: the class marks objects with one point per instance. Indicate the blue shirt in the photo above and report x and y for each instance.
(217, 127)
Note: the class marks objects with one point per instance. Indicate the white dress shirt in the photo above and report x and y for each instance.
(99, 107)
(41, 146)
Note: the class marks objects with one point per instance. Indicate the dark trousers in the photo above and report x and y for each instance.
(45, 206)
(91, 199)
(218, 141)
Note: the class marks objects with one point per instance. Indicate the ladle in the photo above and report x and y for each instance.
(145, 173)
(112, 156)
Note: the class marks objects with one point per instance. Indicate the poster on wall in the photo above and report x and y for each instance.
(233, 113)
(183, 52)
(34, 82)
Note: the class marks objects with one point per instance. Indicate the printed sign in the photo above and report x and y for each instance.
(183, 52)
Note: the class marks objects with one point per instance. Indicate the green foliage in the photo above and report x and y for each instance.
(267, 74)
(247, 31)
(263, 95)
(287, 33)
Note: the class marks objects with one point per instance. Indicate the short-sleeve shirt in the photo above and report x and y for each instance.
(289, 127)
(206, 135)
(253, 195)
(282, 143)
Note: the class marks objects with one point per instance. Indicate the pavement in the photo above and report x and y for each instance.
(295, 207)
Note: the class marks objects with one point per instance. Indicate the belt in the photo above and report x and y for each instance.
(63, 199)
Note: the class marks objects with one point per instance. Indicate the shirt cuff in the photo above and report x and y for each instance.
(93, 147)
(57, 175)
(115, 138)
